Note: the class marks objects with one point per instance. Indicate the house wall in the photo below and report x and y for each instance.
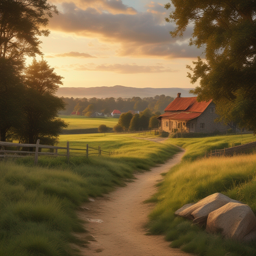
(207, 118)
(165, 124)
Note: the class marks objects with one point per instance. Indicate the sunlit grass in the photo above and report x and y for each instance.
(38, 204)
(195, 179)
(197, 147)
(82, 122)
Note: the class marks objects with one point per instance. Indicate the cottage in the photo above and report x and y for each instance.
(116, 113)
(186, 114)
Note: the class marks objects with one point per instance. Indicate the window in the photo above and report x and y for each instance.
(166, 123)
(212, 110)
(179, 125)
(192, 126)
(202, 125)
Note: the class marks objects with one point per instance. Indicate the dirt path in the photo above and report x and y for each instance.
(116, 221)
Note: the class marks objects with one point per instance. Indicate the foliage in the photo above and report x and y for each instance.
(40, 122)
(103, 128)
(21, 23)
(106, 106)
(135, 123)
(11, 96)
(88, 110)
(144, 122)
(125, 119)
(227, 31)
(118, 128)
(153, 122)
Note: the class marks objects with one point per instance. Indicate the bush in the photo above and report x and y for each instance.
(153, 122)
(103, 128)
(118, 128)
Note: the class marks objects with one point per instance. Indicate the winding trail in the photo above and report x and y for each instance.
(116, 221)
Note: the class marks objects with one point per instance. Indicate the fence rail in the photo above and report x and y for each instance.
(17, 153)
(233, 150)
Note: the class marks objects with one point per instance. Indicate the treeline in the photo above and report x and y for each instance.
(143, 121)
(87, 106)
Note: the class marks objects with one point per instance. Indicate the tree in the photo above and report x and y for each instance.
(135, 123)
(21, 23)
(41, 106)
(11, 96)
(118, 128)
(144, 122)
(153, 122)
(125, 119)
(103, 128)
(228, 74)
(88, 110)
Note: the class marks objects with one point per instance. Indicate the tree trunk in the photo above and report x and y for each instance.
(2, 134)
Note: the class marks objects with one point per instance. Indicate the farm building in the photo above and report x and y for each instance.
(186, 114)
(116, 113)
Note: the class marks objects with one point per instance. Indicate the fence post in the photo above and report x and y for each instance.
(87, 150)
(99, 151)
(36, 153)
(224, 151)
(68, 151)
(56, 151)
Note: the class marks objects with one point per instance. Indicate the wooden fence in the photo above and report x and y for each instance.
(36, 150)
(233, 151)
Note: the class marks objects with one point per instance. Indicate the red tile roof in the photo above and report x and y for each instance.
(187, 104)
(116, 112)
(185, 108)
(181, 116)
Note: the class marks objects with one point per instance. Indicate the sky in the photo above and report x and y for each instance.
(117, 42)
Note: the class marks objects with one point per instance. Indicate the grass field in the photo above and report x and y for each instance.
(195, 179)
(38, 204)
(81, 122)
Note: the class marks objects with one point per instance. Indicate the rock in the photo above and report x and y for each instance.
(233, 220)
(250, 237)
(184, 207)
(200, 210)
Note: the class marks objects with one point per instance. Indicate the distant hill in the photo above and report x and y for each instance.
(120, 91)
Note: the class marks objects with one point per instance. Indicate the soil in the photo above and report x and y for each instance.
(115, 223)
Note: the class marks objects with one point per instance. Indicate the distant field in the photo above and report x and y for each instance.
(81, 122)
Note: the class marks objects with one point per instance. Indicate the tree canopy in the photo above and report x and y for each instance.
(21, 23)
(227, 31)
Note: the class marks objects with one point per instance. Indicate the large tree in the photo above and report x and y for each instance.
(12, 93)
(21, 23)
(41, 106)
(227, 31)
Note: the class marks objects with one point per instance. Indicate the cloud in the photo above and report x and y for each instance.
(72, 54)
(140, 35)
(120, 68)
(111, 6)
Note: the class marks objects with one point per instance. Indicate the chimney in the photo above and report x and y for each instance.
(178, 95)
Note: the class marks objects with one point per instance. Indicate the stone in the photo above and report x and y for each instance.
(250, 237)
(200, 210)
(233, 220)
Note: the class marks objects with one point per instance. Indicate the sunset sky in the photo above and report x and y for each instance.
(117, 42)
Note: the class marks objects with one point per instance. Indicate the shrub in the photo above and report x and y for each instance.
(118, 128)
(103, 128)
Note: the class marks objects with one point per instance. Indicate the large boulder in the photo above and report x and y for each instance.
(200, 210)
(233, 220)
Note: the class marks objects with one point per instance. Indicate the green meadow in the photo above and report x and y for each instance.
(195, 178)
(38, 204)
(82, 122)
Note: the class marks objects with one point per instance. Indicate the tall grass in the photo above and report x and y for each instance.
(191, 181)
(38, 204)
(197, 147)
